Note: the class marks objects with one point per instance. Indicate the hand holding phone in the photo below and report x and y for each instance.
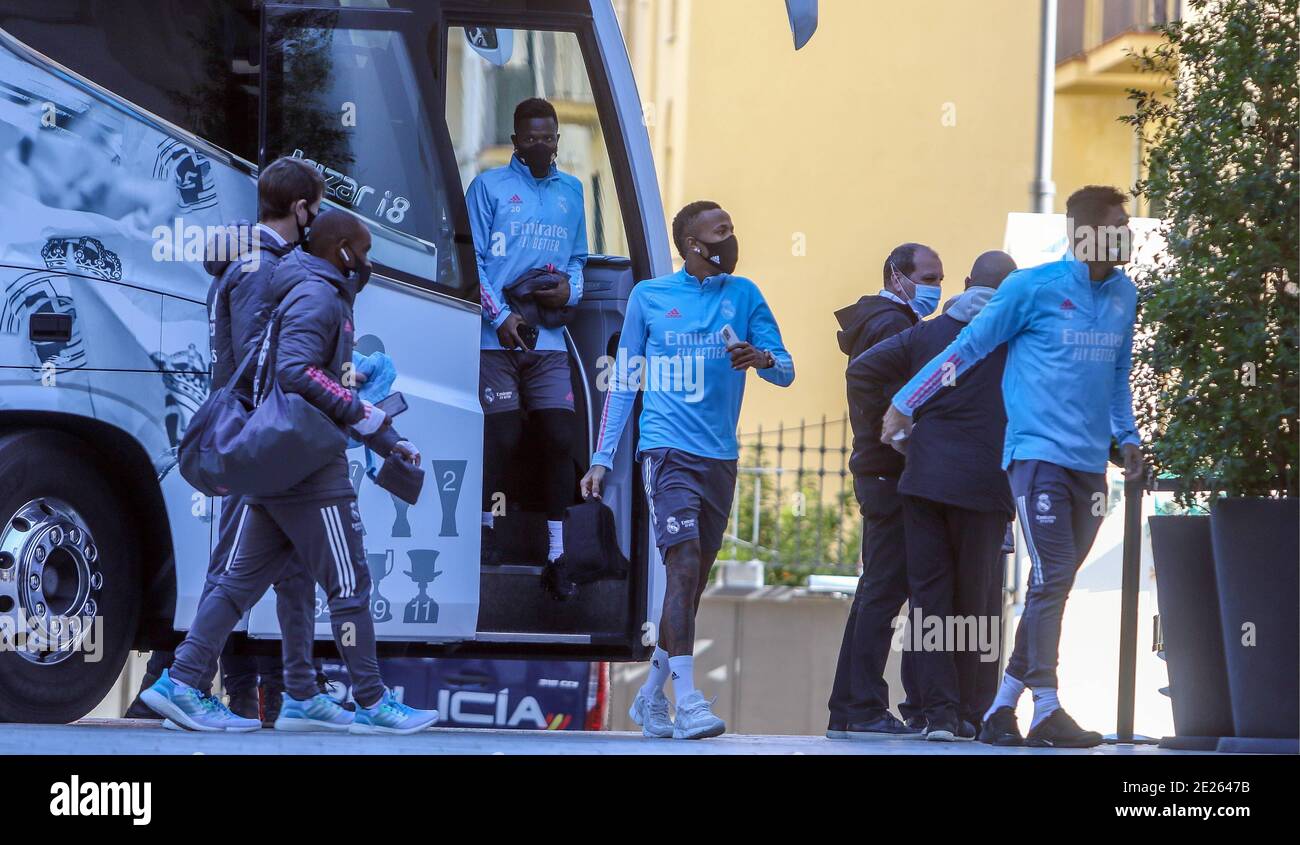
(392, 404)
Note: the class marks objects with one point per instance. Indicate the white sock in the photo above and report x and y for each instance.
(1045, 704)
(1008, 695)
(683, 672)
(555, 531)
(487, 519)
(659, 670)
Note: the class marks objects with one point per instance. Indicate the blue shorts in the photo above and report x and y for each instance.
(690, 497)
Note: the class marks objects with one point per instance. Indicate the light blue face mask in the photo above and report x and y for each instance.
(926, 300)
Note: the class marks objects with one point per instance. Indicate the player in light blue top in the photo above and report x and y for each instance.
(530, 242)
(1068, 327)
(687, 340)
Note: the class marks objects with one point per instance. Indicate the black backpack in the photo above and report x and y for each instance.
(591, 550)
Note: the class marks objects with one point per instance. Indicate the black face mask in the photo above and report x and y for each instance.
(360, 273)
(304, 230)
(538, 157)
(724, 254)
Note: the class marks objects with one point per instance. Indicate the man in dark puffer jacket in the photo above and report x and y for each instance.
(244, 290)
(316, 521)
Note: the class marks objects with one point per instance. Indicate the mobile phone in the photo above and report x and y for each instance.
(528, 334)
(729, 336)
(392, 404)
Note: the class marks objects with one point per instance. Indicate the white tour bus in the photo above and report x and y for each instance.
(127, 130)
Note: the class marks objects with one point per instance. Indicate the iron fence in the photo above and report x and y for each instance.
(794, 507)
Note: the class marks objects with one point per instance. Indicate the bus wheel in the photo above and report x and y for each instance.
(69, 579)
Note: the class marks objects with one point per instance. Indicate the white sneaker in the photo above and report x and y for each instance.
(695, 719)
(652, 714)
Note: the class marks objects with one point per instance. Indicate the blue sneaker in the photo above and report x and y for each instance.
(391, 716)
(318, 713)
(192, 710)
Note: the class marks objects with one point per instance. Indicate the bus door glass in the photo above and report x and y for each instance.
(351, 91)
(488, 67)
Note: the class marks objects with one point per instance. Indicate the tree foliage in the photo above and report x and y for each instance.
(1215, 364)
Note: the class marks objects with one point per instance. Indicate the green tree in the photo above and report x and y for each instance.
(1215, 366)
(817, 532)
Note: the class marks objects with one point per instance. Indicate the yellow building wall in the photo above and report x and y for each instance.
(898, 122)
(1091, 146)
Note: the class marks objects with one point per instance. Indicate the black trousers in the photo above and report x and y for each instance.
(860, 692)
(954, 558)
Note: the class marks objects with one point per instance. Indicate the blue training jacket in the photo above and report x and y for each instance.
(1069, 350)
(523, 223)
(671, 346)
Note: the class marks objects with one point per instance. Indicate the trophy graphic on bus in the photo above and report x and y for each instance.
(401, 525)
(424, 568)
(449, 476)
(381, 566)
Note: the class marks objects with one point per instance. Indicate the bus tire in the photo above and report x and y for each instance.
(68, 550)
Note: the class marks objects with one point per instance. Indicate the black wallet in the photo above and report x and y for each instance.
(404, 480)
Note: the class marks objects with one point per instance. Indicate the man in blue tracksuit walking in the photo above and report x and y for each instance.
(687, 340)
(530, 229)
(1068, 327)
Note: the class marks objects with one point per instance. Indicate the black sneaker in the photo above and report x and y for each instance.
(965, 730)
(885, 726)
(271, 703)
(941, 730)
(557, 582)
(1060, 731)
(138, 709)
(334, 690)
(916, 723)
(1002, 729)
(489, 552)
(243, 703)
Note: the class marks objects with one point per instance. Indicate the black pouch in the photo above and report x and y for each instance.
(591, 550)
(404, 480)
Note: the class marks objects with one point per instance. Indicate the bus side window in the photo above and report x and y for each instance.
(198, 70)
(347, 100)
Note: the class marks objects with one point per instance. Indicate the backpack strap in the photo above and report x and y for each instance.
(267, 349)
(266, 358)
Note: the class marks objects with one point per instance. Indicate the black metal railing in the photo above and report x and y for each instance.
(794, 508)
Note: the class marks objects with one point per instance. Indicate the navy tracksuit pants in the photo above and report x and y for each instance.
(240, 672)
(282, 540)
(1060, 512)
